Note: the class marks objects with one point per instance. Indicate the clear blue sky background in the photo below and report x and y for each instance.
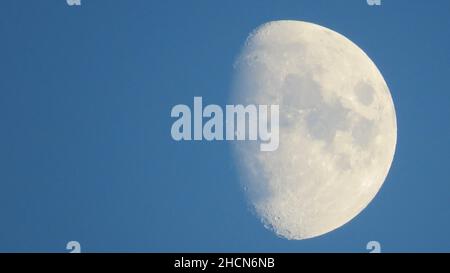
(85, 146)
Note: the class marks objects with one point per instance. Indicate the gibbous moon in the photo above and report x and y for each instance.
(337, 133)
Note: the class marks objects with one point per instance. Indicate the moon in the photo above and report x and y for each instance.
(337, 128)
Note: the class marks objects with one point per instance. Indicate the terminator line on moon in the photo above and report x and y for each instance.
(338, 128)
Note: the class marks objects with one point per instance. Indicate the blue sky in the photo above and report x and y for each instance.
(85, 146)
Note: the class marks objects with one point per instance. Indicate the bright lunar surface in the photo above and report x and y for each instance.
(337, 132)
